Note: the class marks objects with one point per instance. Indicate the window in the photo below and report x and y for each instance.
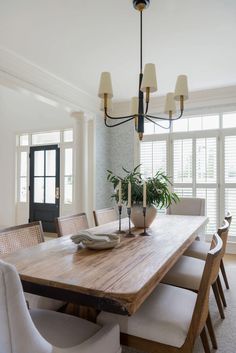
(23, 176)
(68, 178)
(201, 158)
(45, 138)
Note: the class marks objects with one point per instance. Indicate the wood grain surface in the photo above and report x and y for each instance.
(116, 280)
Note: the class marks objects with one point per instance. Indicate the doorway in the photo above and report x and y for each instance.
(44, 186)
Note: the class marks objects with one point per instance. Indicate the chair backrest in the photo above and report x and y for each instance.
(223, 232)
(229, 217)
(17, 333)
(20, 237)
(201, 309)
(69, 225)
(104, 216)
(188, 206)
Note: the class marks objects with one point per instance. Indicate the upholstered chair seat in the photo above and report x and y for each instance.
(164, 317)
(42, 331)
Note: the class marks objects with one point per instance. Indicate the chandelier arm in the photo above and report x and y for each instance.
(163, 127)
(166, 119)
(117, 124)
(118, 117)
(147, 106)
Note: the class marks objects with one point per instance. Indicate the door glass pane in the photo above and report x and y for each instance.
(50, 190)
(38, 190)
(68, 187)
(23, 164)
(68, 161)
(39, 163)
(50, 163)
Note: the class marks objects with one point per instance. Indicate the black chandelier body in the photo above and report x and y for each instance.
(142, 109)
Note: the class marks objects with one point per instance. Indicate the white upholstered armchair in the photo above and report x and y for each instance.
(42, 331)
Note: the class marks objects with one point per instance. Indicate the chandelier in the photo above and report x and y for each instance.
(147, 85)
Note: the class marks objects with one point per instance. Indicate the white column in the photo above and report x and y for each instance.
(84, 159)
(80, 160)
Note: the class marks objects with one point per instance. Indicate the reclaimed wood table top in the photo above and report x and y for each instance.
(116, 280)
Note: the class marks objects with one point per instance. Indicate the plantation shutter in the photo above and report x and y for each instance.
(182, 167)
(230, 179)
(153, 157)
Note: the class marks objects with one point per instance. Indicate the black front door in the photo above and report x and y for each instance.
(44, 185)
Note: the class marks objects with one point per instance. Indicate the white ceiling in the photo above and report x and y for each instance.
(78, 39)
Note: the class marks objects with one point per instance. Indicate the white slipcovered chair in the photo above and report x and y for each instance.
(171, 318)
(188, 206)
(42, 331)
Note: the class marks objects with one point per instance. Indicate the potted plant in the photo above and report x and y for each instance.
(158, 193)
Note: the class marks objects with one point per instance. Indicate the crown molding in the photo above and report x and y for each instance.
(18, 73)
(198, 99)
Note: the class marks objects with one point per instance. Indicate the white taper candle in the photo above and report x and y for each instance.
(129, 195)
(120, 190)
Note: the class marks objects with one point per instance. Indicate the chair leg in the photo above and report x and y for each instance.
(205, 342)
(218, 300)
(221, 292)
(211, 332)
(222, 267)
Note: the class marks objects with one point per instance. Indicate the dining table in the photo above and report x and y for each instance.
(116, 280)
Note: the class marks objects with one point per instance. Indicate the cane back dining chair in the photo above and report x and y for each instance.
(171, 318)
(23, 237)
(43, 331)
(72, 224)
(104, 216)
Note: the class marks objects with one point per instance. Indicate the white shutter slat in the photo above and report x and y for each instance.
(230, 205)
(206, 162)
(230, 159)
(182, 155)
(210, 194)
(153, 157)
